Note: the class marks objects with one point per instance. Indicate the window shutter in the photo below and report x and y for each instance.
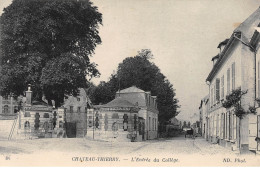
(233, 76)
(222, 87)
(259, 79)
(217, 89)
(228, 80)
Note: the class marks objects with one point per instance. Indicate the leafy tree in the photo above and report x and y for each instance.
(47, 44)
(144, 74)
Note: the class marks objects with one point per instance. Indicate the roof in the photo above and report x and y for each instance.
(248, 27)
(118, 102)
(223, 43)
(132, 89)
(220, 59)
(245, 30)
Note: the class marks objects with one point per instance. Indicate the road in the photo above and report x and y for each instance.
(179, 151)
(176, 145)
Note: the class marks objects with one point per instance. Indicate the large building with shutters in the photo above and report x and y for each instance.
(237, 66)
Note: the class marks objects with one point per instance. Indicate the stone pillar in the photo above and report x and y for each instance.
(29, 95)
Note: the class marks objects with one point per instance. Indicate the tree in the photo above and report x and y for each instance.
(144, 74)
(47, 44)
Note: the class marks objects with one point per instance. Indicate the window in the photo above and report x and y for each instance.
(214, 94)
(27, 114)
(27, 125)
(149, 123)
(155, 124)
(115, 116)
(71, 109)
(217, 90)
(78, 110)
(115, 126)
(228, 124)
(259, 79)
(222, 87)
(228, 80)
(46, 115)
(224, 126)
(235, 127)
(15, 109)
(152, 124)
(217, 125)
(221, 126)
(233, 75)
(78, 99)
(90, 123)
(231, 126)
(5, 111)
(86, 109)
(211, 99)
(60, 124)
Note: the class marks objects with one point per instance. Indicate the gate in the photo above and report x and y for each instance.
(71, 130)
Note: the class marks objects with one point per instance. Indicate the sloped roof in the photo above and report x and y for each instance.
(119, 102)
(40, 103)
(246, 30)
(248, 27)
(132, 89)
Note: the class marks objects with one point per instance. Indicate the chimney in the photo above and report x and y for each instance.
(53, 103)
(28, 95)
(222, 45)
(215, 59)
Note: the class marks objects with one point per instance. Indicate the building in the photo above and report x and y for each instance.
(8, 107)
(77, 108)
(237, 66)
(131, 116)
(175, 123)
(148, 108)
(117, 120)
(38, 119)
(204, 109)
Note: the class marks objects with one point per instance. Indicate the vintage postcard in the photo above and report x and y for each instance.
(136, 83)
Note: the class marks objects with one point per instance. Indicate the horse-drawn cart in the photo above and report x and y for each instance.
(189, 133)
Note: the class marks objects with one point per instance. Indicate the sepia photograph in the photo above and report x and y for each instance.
(129, 83)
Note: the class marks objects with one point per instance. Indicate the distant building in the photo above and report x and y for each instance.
(117, 120)
(148, 108)
(77, 109)
(8, 107)
(204, 111)
(38, 119)
(175, 123)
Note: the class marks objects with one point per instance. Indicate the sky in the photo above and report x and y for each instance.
(183, 36)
